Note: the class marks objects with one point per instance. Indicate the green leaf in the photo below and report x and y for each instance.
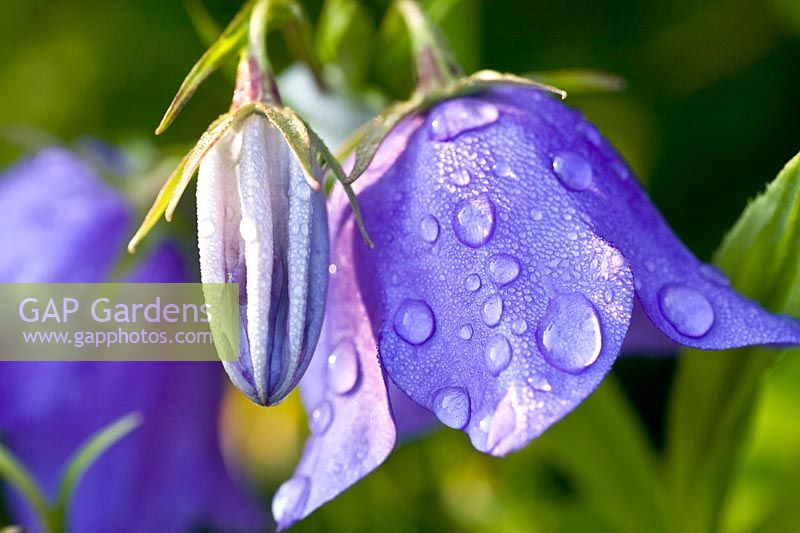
(229, 43)
(204, 24)
(580, 81)
(18, 477)
(603, 450)
(85, 457)
(715, 392)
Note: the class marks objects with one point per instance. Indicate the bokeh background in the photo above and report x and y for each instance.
(709, 115)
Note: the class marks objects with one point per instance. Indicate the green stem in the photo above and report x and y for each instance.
(255, 80)
(436, 66)
(16, 475)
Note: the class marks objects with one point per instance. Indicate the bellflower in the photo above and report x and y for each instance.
(62, 224)
(260, 224)
(511, 241)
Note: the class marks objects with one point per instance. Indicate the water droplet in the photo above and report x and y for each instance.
(332, 269)
(343, 368)
(502, 268)
(492, 311)
(302, 190)
(451, 405)
(569, 334)
(205, 228)
(429, 228)
(590, 132)
(321, 418)
(622, 171)
(414, 321)
(474, 221)
(459, 176)
(540, 383)
(472, 282)
(454, 117)
(714, 275)
(465, 332)
(536, 214)
(497, 353)
(503, 169)
(290, 500)
(608, 295)
(573, 171)
(519, 326)
(247, 229)
(572, 236)
(686, 309)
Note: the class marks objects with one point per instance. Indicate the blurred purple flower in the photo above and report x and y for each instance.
(62, 224)
(511, 242)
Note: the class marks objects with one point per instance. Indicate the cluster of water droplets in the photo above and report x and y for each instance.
(569, 335)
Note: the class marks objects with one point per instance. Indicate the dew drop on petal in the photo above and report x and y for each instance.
(621, 170)
(459, 176)
(247, 229)
(205, 228)
(591, 134)
(452, 118)
(540, 383)
(414, 322)
(497, 353)
(519, 326)
(492, 310)
(573, 171)
(474, 221)
(686, 309)
(503, 169)
(343, 368)
(451, 405)
(290, 499)
(714, 275)
(569, 334)
(321, 418)
(429, 228)
(472, 282)
(465, 332)
(536, 214)
(502, 268)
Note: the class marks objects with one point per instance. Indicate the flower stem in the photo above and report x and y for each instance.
(436, 66)
(255, 80)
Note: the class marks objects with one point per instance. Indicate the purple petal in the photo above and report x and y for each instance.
(344, 392)
(691, 302)
(54, 206)
(502, 308)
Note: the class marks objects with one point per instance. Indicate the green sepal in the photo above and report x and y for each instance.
(715, 393)
(307, 145)
(380, 126)
(228, 44)
(580, 81)
(159, 207)
(303, 142)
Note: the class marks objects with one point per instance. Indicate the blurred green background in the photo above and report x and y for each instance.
(709, 115)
